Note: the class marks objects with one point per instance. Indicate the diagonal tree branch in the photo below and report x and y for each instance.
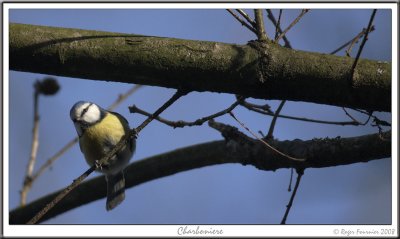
(304, 11)
(260, 28)
(250, 27)
(236, 148)
(212, 66)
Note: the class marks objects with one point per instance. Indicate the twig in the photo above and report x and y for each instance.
(278, 25)
(241, 21)
(260, 28)
(272, 126)
(48, 86)
(72, 142)
(35, 145)
(291, 179)
(60, 196)
(261, 111)
(376, 119)
(300, 173)
(244, 14)
(304, 11)
(356, 39)
(265, 143)
(362, 45)
(181, 123)
(105, 159)
(123, 97)
(54, 158)
(354, 119)
(174, 98)
(264, 108)
(352, 42)
(273, 20)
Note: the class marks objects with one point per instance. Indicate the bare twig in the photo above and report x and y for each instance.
(241, 21)
(54, 158)
(362, 45)
(174, 98)
(181, 123)
(48, 86)
(376, 119)
(304, 11)
(352, 42)
(244, 14)
(260, 28)
(356, 39)
(72, 142)
(271, 17)
(60, 196)
(272, 126)
(264, 108)
(249, 106)
(35, 145)
(265, 143)
(300, 173)
(291, 179)
(123, 97)
(354, 119)
(105, 159)
(278, 26)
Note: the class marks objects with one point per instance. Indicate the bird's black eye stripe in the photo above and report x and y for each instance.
(85, 110)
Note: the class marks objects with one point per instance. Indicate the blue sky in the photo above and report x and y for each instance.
(225, 194)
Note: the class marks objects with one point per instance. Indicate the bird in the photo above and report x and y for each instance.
(99, 130)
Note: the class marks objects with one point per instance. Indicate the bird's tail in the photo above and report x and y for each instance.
(115, 190)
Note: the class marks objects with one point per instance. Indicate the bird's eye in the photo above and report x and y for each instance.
(85, 110)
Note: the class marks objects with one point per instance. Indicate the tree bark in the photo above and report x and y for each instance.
(259, 70)
(236, 148)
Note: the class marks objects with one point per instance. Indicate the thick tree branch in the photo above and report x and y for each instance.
(201, 66)
(237, 148)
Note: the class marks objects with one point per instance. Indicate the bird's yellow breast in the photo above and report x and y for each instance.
(97, 139)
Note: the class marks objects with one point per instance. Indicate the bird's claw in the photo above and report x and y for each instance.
(98, 165)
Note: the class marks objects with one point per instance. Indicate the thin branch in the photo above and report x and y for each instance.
(174, 98)
(273, 122)
(291, 179)
(181, 123)
(300, 173)
(51, 160)
(265, 143)
(241, 21)
(271, 17)
(356, 40)
(244, 14)
(106, 158)
(304, 11)
(60, 196)
(260, 28)
(35, 145)
(123, 97)
(261, 111)
(264, 108)
(354, 119)
(362, 44)
(351, 42)
(278, 25)
(72, 142)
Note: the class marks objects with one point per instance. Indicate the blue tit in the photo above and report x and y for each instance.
(99, 131)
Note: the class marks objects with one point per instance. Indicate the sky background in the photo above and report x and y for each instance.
(224, 194)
